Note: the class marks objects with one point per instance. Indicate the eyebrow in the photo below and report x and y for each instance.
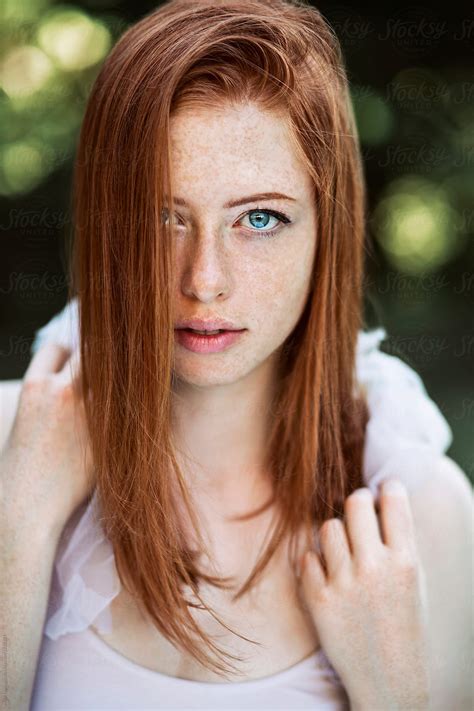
(247, 199)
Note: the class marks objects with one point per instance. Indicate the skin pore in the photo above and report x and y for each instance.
(227, 268)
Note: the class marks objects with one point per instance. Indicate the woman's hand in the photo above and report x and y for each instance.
(368, 602)
(46, 463)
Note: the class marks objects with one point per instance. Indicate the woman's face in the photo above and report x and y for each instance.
(227, 265)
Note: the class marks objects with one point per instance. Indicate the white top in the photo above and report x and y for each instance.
(78, 670)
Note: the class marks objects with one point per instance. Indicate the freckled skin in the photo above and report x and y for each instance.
(258, 283)
(224, 268)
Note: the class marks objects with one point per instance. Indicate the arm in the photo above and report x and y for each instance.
(27, 563)
(45, 473)
(442, 511)
(442, 514)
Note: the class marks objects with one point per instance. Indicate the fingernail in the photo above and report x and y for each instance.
(394, 486)
(363, 491)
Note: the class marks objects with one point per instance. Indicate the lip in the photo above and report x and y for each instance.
(203, 324)
(207, 344)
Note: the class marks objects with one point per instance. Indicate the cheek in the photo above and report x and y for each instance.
(278, 288)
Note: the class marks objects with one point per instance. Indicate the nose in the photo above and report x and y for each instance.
(205, 273)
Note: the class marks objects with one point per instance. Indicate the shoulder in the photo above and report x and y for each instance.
(442, 512)
(444, 498)
(442, 508)
(434, 482)
(441, 501)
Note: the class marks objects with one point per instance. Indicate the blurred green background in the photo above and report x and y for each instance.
(410, 71)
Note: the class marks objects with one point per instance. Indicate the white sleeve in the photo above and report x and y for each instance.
(405, 425)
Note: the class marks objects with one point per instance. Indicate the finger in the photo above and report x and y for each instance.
(48, 359)
(361, 523)
(69, 373)
(334, 546)
(396, 517)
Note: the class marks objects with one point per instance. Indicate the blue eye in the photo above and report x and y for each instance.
(260, 218)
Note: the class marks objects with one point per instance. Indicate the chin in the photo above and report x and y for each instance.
(208, 375)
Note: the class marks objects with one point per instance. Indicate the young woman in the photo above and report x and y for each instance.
(204, 500)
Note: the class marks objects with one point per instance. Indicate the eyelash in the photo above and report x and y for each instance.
(268, 233)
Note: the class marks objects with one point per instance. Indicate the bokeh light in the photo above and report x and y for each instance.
(72, 39)
(416, 225)
(49, 59)
(22, 167)
(24, 71)
(15, 12)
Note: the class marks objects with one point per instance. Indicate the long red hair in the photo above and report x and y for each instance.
(284, 57)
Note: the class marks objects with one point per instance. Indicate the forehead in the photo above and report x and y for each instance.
(231, 150)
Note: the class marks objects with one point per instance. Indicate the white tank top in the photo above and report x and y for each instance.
(78, 670)
(81, 671)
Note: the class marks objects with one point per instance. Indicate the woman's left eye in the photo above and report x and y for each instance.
(260, 219)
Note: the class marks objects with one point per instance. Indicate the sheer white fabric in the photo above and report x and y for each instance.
(405, 428)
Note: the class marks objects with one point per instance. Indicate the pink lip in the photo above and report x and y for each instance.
(206, 344)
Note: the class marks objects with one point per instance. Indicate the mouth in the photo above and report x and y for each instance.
(210, 333)
(207, 341)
